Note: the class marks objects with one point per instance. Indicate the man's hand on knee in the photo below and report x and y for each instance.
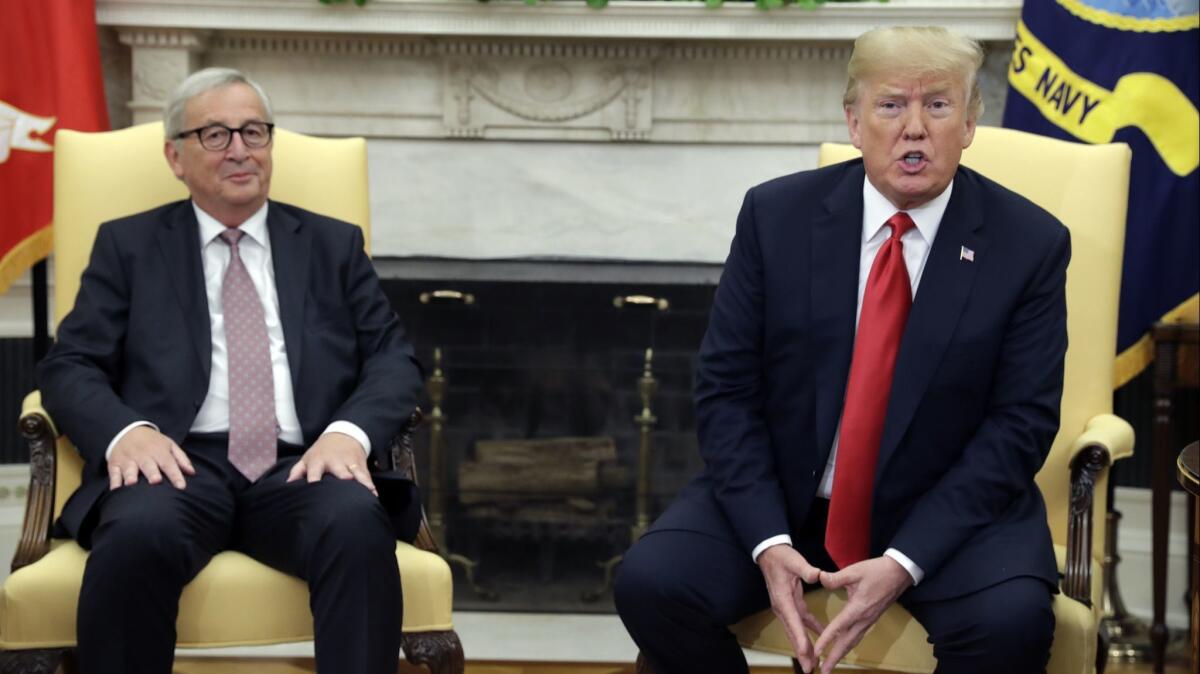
(146, 451)
(337, 454)
(872, 586)
(784, 568)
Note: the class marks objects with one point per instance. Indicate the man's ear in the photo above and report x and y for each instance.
(969, 132)
(852, 125)
(173, 159)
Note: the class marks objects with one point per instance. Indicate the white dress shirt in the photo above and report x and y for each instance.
(255, 251)
(917, 242)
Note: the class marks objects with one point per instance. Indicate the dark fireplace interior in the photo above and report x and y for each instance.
(539, 447)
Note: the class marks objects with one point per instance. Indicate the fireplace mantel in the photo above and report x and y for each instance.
(501, 130)
(624, 19)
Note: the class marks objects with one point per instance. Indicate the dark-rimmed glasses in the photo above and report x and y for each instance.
(217, 137)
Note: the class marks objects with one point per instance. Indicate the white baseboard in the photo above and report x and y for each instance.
(1134, 547)
(14, 487)
(507, 637)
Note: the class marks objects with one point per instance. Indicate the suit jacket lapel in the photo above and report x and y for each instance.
(945, 286)
(291, 245)
(836, 245)
(179, 242)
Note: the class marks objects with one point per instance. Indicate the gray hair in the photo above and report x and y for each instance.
(203, 81)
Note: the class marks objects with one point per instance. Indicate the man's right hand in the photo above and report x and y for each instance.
(784, 568)
(145, 450)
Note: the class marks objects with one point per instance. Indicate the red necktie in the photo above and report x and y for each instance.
(885, 306)
(252, 433)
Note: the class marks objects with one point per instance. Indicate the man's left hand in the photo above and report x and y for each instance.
(337, 454)
(872, 585)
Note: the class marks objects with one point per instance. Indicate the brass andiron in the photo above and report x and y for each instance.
(437, 497)
(646, 421)
(436, 385)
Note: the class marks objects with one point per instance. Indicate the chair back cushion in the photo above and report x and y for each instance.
(1086, 187)
(102, 176)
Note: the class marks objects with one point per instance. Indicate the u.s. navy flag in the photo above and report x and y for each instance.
(49, 80)
(1101, 71)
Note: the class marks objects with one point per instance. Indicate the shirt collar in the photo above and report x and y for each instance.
(877, 209)
(254, 227)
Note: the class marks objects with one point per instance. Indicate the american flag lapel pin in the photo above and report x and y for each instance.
(966, 254)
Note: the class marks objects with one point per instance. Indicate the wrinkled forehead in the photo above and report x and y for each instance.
(949, 84)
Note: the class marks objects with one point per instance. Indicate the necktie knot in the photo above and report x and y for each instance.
(231, 236)
(900, 223)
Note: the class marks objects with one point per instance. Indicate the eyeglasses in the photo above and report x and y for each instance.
(217, 137)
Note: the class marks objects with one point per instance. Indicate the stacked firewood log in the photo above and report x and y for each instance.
(546, 480)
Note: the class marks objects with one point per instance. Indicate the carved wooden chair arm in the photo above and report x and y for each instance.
(1105, 439)
(405, 462)
(39, 432)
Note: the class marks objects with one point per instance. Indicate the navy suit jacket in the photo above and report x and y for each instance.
(137, 344)
(974, 404)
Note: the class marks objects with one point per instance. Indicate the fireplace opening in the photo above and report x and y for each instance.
(559, 419)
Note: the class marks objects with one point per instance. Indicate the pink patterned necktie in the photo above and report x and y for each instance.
(252, 423)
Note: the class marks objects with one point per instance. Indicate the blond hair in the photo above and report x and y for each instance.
(917, 51)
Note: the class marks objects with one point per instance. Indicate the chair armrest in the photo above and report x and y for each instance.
(1110, 433)
(405, 462)
(1106, 438)
(32, 404)
(38, 430)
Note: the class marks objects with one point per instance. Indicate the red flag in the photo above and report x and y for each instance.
(49, 80)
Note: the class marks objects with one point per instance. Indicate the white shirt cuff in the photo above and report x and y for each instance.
(118, 436)
(347, 428)
(781, 539)
(908, 564)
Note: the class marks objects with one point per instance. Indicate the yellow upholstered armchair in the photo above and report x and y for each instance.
(1084, 186)
(101, 176)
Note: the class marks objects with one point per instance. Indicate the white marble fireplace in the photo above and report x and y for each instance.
(554, 132)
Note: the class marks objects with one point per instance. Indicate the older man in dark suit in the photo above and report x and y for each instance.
(229, 370)
(878, 386)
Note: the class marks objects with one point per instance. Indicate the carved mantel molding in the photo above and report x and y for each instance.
(644, 71)
(663, 19)
(161, 58)
(450, 92)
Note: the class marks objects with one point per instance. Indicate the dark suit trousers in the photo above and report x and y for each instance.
(677, 591)
(148, 541)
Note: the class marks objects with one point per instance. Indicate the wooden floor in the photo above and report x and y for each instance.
(1120, 668)
(566, 668)
(305, 666)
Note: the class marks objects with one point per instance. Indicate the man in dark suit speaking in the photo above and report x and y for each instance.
(878, 385)
(229, 371)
